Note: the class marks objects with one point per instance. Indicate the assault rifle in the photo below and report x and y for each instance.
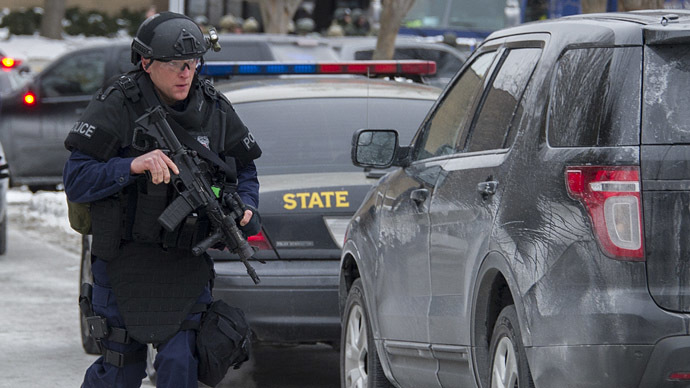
(194, 184)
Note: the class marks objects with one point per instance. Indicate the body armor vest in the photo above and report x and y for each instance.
(155, 278)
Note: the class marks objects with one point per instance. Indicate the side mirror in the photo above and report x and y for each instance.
(377, 148)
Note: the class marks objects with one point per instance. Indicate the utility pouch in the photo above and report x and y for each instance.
(106, 227)
(151, 202)
(223, 340)
(98, 326)
(79, 215)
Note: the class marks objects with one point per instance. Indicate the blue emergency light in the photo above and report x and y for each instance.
(373, 68)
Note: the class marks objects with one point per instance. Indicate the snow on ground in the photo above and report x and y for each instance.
(44, 215)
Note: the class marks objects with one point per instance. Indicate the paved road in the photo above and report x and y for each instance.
(39, 329)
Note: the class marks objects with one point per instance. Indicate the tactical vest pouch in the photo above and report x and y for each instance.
(106, 227)
(151, 201)
(223, 340)
(79, 215)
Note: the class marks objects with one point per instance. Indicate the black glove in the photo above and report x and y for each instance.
(254, 225)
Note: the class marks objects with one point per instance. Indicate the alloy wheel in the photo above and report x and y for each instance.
(505, 368)
(356, 349)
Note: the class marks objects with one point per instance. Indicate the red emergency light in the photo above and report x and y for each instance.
(7, 63)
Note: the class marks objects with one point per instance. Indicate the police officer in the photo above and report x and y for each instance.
(147, 284)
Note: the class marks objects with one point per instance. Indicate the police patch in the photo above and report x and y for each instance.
(248, 141)
(204, 141)
(85, 129)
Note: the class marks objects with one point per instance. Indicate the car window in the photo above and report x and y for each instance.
(666, 78)
(314, 135)
(493, 123)
(584, 110)
(76, 75)
(447, 127)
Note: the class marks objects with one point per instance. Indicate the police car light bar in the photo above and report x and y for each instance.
(390, 68)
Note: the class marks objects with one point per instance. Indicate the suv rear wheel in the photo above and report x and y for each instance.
(509, 367)
(359, 363)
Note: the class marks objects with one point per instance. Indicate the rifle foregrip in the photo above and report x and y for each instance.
(177, 211)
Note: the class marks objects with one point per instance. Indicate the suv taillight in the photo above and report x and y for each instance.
(612, 198)
(259, 241)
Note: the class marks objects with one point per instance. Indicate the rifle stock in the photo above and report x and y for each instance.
(196, 191)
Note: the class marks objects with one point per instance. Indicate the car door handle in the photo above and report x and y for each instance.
(419, 196)
(487, 188)
(79, 111)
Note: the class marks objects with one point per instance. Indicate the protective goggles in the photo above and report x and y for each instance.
(179, 65)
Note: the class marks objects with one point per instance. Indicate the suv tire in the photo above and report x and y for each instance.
(508, 359)
(359, 362)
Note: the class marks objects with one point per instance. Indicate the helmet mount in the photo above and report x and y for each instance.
(168, 36)
(187, 44)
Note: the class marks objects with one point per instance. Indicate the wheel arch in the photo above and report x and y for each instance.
(495, 288)
(349, 272)
(351, 269)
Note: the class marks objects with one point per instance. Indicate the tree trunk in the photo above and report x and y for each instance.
(632, 5)
(391, 15)
(51, 22)
(277, 14)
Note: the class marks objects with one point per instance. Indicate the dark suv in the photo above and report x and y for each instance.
(537, 232)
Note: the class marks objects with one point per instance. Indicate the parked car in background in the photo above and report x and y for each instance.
(535, 231)
(448, 59)
(309, 191)
(38, 116)
(13, 75)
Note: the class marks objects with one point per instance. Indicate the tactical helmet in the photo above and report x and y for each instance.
(168, 36)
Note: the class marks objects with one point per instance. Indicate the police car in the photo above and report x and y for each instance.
(309, 187)
(37, 116)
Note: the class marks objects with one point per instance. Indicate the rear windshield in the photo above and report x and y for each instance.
(666, 113)
(314, 135)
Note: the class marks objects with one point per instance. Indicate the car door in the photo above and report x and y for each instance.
(404, 298)
(463, 206)
(63, 92)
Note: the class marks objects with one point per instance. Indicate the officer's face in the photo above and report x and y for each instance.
(172, 79)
